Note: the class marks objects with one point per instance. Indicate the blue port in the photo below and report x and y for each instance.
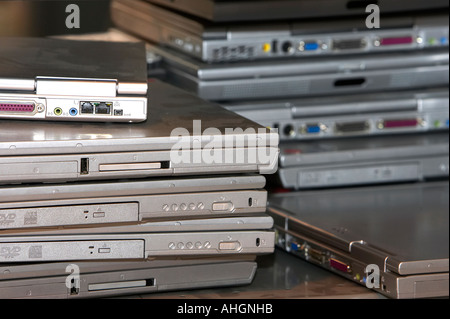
(311, 46)
(446, 123)
(294, 246)
(444, 40)
(313, 129)
(73, 111)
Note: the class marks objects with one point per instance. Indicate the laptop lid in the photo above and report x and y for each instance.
(43, 64)
(232, 223)
(232, 10)
(16, 271)
(155, 186)
(403, 225)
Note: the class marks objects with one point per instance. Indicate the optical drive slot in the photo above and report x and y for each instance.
(132, 166)
(71, 250)
(119, 285)
(68, 215)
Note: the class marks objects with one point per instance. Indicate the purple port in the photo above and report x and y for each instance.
(339, 265)
(401, 123)
(396, 41)
(17, 107)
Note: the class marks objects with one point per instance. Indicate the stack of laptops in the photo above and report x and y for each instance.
(358, 92)
(316, 85)
(94, 207)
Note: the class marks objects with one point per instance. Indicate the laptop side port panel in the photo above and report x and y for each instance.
(338, 263)
(306, 250)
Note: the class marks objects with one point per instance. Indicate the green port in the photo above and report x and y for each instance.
(58, 111)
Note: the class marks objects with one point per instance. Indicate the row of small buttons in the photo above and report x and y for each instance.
(182, 206)
(220, 206)
(230, 245)
(190, 245)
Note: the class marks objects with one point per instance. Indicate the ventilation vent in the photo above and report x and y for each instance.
(233, 53)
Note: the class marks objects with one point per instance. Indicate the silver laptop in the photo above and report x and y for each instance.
(191, 237)
(99, 204)
(366, 160)
(54, 79)
(393, 239)
(233, 41)
(350, 115)
(185, 136)
(314, 76)
(121, 278)
(248, 10)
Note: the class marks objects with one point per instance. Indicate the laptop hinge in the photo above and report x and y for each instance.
(132, 88)
(17, 85)
(76, 87)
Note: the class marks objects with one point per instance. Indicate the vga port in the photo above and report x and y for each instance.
(17, 107)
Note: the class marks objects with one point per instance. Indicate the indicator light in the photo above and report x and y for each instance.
(267, 47)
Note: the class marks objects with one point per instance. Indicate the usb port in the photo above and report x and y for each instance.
(84, 166)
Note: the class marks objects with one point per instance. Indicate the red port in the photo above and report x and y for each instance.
(396, 41)
(401, 123)
(292, 151)
(16, 107)
(339, 265)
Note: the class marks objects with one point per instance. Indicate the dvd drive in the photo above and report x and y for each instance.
(71, 250)
(68, 215)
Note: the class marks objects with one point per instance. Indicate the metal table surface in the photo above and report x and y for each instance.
(281, 276)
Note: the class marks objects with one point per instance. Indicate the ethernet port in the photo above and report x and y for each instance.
(103, 108)
(87, 108)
